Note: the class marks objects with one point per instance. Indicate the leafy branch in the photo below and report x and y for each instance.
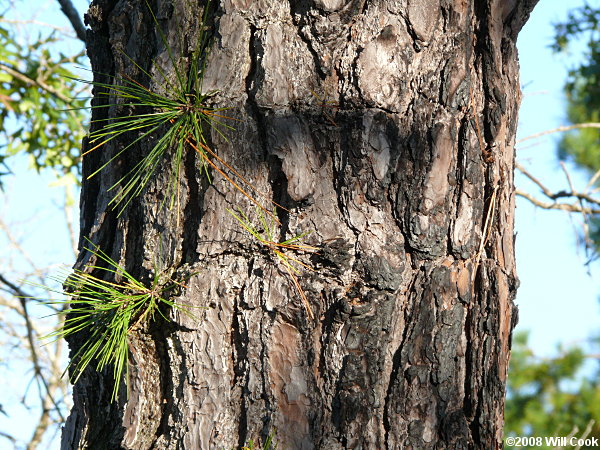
(36, 91)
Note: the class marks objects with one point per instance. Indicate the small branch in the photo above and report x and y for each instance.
(14, 242)
(43, 423)
(69, 10)
(560, 129)
(560, 194)
(525, 172)
(560, 206)
(63, 30)
(592, 181)
(8, 436)
(14, 289)
(566, 172)
(22, 296)
(585, 223)
(586, 432)
(24, 78)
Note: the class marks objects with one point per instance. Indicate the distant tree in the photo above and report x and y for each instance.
(554, 396)
(582, 88)
(551, 396)
(580, 142)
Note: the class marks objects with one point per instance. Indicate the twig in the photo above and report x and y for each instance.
(585, 223)
(592, 180)
(587, 431)
(69, 10)
(486, 231)
(566, 172)
(569, 207)
(525, 172)
(560, 129)
(571, 434)
(42, 425)
(8, 436)
(22, 296)
(24, 78)
(62, 30)
(17, 246)
(560, 194)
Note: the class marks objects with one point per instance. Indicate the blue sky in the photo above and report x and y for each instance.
(558, 299)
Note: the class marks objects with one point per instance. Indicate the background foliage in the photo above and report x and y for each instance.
(557, 396)
(39, 128)
(582, 87)
(38, 93)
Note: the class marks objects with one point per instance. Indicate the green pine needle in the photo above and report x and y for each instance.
(265, 235)
(108, 311)
(181, 115)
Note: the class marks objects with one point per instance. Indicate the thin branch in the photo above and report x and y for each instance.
(69, 10)
(43, 423)
(585, 223)
(569, 207)
(560, 194)
(566, 172)
(16, 245)
(560, 129)
(524, 171)
(62, 30)
(586, 432)
(8, 436)
(18, 292)
(14, 289)
(592, 180)
(24, 78)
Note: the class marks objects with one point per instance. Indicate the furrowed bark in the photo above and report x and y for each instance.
(386, 128)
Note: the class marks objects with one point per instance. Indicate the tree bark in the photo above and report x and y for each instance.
(387, 130)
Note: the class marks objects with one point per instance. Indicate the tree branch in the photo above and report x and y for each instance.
(560, 129)
(21, 76)
(569, 207)
(13, 288)
(69, 10)
(560, 194)
(22, 296)
(8, 436)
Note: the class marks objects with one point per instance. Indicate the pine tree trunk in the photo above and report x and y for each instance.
(387, 130)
